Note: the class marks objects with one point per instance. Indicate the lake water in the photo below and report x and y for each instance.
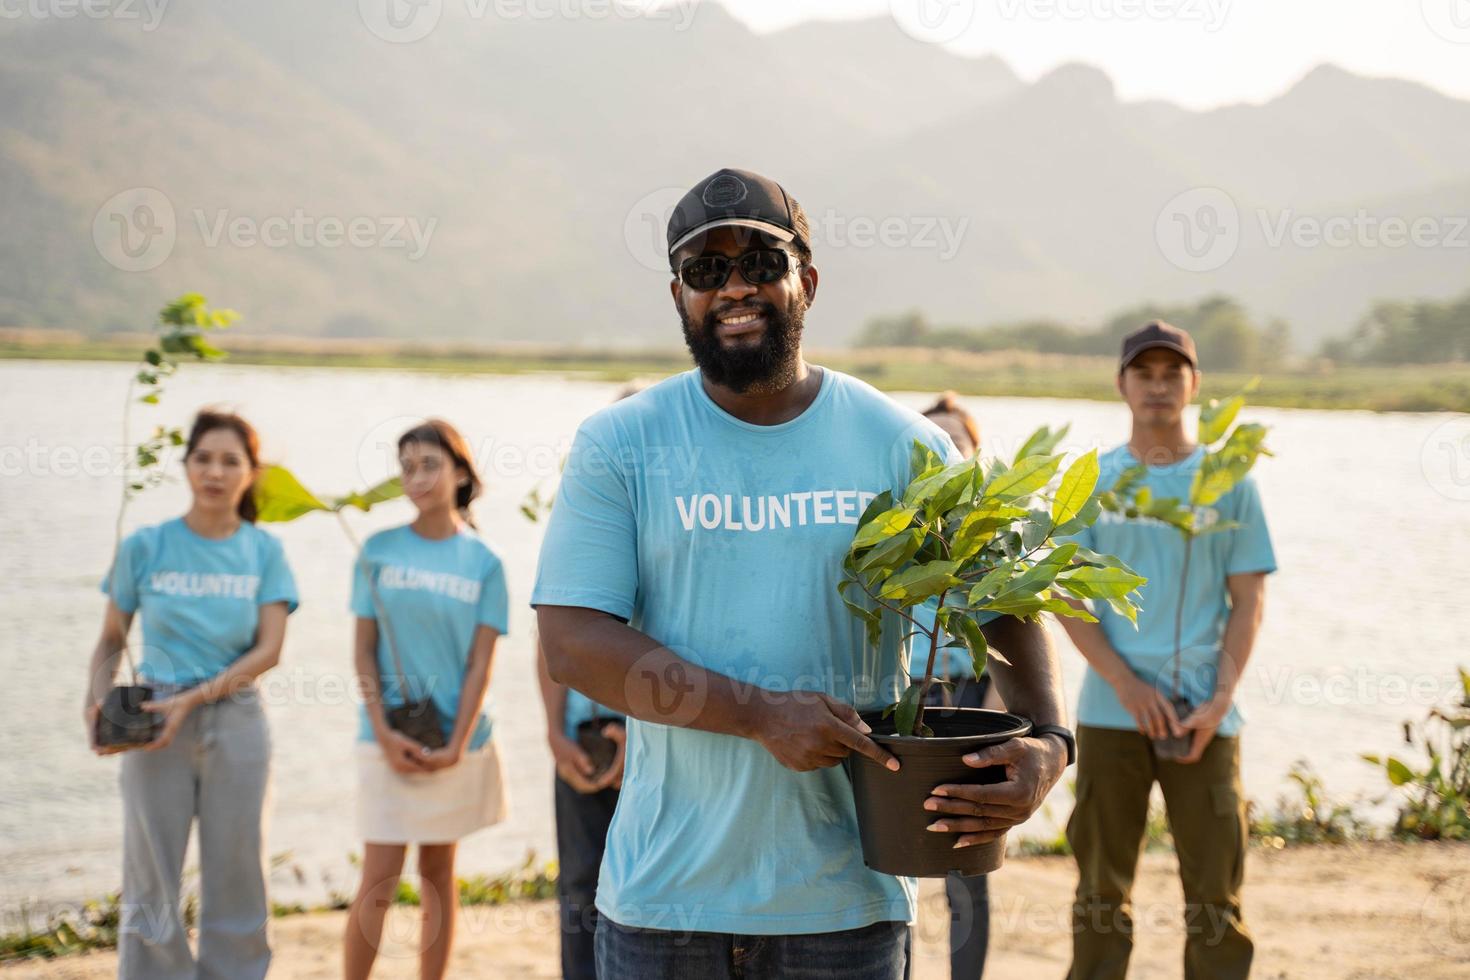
(1364, 624)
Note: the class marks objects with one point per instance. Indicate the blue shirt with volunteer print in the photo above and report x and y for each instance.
(431, 598)
(1156, 550)
(724, 541)
(200, 597)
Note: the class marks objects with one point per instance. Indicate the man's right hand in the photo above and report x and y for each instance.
(1151, 711)
(808, 730)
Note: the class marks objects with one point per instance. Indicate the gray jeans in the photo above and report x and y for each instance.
(217, 769)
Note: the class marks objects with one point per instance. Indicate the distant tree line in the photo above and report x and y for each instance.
(1226, 335)
(1407, 332)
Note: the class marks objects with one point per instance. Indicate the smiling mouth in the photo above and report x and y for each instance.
(740, 323)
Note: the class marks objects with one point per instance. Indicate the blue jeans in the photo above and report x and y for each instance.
(875, 952)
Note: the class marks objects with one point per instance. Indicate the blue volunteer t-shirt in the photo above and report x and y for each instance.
(724, 541)
(1156, 550)
(581, 708)
(434, 596)
(200, 597)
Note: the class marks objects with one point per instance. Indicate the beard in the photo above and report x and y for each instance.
(769, 365)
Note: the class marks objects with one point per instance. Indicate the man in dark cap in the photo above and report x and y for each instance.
(1126, 701)
(688, 579)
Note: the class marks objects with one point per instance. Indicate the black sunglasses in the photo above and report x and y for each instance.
(759, 265)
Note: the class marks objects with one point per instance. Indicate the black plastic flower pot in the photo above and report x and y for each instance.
(1175, 747)
(892, 820)
(122, 720)
(599, 748)
(419, 720)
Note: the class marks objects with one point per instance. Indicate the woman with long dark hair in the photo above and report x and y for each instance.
(430, 602)
(214, 592)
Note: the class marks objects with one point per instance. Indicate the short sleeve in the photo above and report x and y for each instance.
(930, 435)
(127, 568)
(494, 609)
(362, 595)
(277, 584)
(589, 556)
(1250, 548)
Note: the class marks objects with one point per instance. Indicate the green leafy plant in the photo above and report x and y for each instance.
(1435, 799)
(1308, 816)
(1220, 471)
(971, 538)
(179, 337)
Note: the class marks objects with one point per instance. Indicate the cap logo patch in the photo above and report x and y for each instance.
(724, 190)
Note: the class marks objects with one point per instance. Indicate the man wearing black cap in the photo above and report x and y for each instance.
(1125, 701)
(689, 580)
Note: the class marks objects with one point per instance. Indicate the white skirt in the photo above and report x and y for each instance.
(427, 807)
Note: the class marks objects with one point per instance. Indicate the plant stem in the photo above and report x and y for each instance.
(929, 667)
(117, 528)
(1179, 614)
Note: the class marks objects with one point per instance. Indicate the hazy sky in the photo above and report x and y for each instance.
(1197, 53)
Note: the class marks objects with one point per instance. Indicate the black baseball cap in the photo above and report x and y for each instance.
(734, 197)
(1158, 334)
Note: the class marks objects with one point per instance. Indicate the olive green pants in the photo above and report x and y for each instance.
(1116, 771)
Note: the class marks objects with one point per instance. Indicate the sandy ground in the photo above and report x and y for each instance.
(1374, 911)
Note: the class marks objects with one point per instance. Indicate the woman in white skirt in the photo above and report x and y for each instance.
(430, 602)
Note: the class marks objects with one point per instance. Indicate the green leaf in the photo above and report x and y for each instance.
(921, 460)
(890, 555)
(279, 496)
(1464, 680)
(880, 503)
(992, 581)
(978, 526)
(1085, 518)
(1027, 476)
(387, 490)
(1216, 417)
(1036, 529)
(974, 638)
(1090, 582)
(916, 584)
(1222, 470)
(1015, 604)
(1042, 442)
(1043, 573)
(885, 525)
(959, 486)
(907, 709)
(1398, 773)
(1077, 485)
(1061, 607)
(1124, 607)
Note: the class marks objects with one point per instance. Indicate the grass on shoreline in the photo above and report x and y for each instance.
(1321, 385)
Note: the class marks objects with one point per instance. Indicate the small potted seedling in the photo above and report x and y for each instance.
(1220, 471)
(122, 722)
(966, 538)
(281, 497)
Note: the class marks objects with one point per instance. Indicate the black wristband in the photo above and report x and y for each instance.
(1065, 734)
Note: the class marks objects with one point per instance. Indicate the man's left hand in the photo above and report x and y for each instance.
(982, 813)
(1203, 721)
